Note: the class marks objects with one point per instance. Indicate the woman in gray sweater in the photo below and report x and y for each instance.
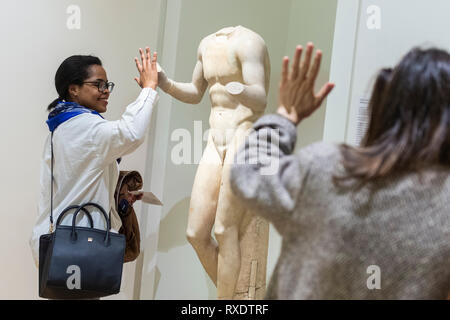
(368, 222)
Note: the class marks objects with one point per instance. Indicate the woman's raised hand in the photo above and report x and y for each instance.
(297, 99)
(148, 74)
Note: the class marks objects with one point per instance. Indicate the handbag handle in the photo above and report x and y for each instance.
(108, 222)
(75, 207)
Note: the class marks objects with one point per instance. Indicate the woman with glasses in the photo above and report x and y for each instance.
(86, 147)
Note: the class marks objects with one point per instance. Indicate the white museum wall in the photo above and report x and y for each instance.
(402, 26)
(172, 270)
(35, 40)
(370, 35)
(312, 21)
(335, 124)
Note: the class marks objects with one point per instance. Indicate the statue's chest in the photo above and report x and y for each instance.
(220, 61)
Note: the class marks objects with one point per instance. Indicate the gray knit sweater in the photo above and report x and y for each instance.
(389, 240)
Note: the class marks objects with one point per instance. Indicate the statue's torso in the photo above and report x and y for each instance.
(221, 65)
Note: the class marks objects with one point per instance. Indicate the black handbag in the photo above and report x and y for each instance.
(79, 262)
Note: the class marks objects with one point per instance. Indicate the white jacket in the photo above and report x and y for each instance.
(85, 169)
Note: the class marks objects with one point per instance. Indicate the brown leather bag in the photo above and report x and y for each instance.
(128, 181)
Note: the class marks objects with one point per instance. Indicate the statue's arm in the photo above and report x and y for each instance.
(186, 92)
(254, 60)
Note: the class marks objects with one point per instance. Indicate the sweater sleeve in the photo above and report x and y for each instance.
(113, 139)
(265, 174)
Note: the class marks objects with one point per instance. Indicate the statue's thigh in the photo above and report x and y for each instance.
(230, 209)
(205, 191)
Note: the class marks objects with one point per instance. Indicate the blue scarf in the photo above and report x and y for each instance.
(64, 111)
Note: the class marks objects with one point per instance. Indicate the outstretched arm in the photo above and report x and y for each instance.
(114, 139)
(186, 92)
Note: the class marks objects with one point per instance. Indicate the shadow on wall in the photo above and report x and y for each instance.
(172, 229)
(172, 234)
(157, 279)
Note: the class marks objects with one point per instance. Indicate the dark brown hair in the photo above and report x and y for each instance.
(409, 126)
(73, 70)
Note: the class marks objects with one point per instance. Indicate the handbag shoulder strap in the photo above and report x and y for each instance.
(51, 188)
(51, 191)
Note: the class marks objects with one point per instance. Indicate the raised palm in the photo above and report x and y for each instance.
(297, 99)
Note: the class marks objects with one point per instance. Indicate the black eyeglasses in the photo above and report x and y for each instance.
(102, 85)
